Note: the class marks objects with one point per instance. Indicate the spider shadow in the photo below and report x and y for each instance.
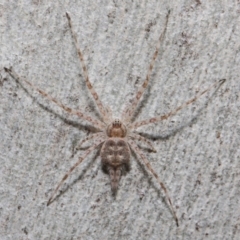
(145, 97)
(143, 102)
(176, 129)
(80, 177)
(75, 124)
(150, 178)
(80, 126)
(169, 134)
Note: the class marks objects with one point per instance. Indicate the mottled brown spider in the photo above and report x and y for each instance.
(115, 137)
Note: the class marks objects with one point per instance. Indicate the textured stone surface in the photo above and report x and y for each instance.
(197, 150)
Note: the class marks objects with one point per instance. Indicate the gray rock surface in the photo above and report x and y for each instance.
(197, 150)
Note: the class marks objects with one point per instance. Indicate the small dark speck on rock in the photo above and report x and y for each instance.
(25, 230)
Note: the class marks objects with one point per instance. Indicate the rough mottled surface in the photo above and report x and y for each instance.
(197, 150)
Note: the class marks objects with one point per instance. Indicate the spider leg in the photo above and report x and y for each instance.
(96, 123)
(136, 149)
(166, 116)
(73, 167)
(102, 109)
(95, 136)
(129, 110)
(140, 138)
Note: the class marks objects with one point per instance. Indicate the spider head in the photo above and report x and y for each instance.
(116, 129)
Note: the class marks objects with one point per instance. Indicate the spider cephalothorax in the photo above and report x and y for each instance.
(116, 129)
(117, 138)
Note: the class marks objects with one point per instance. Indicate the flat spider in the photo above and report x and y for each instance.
(115, 137)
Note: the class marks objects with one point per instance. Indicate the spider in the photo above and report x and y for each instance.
(115, 137)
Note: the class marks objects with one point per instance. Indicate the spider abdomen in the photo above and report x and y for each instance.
(115, 155)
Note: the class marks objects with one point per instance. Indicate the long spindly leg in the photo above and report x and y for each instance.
(96, 123)
(94, 136)
(161, 118)
(73, 167)
(102, 109)
(136, 149)
(129, 110)
(138, 137)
